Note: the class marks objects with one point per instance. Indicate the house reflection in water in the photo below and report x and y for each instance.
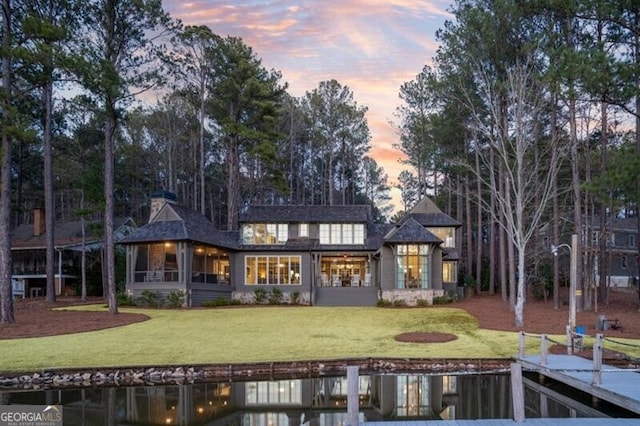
(317, 401)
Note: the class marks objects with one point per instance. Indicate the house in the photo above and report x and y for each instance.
(622, 250)
(318, 255)
(29, 248)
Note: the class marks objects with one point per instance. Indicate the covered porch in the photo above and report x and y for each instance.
(344, 270)
(200, 271)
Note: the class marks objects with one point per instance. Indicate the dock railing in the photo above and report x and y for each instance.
(574, 341)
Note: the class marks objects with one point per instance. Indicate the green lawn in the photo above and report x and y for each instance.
(252, 334)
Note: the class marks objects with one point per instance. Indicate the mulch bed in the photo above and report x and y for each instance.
(418, 337)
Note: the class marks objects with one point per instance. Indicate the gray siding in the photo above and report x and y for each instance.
(387, 269)
(201, 292)
(346, 296)
(436, 269)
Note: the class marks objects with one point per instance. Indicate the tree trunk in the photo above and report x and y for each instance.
(109, 180)
(469, 226)
(555, 208)
(48, 192)
(502, 258)
(492, 235)
(6, 298)
(234, 185)
(478, 226)
(201, 139)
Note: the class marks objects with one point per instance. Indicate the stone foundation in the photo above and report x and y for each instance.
(249, 298)
(411, 297)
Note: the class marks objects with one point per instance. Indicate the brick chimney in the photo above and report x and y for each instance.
(158, 199)
(38, 222)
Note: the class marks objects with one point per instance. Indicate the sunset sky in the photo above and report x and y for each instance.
(371, 46)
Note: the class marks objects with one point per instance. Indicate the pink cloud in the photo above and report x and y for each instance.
(372, 46)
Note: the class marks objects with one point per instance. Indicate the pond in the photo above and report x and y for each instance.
(311, 401)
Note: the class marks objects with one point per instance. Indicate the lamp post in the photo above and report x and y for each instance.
(573, 275)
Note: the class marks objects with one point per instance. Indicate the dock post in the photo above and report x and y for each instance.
(521, 345)
(597, 360)
(517, 392)
(353, 403)
(543, 349)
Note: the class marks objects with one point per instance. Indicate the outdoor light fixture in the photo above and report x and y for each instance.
(573, 251)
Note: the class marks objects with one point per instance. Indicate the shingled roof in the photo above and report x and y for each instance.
(307, 214)
(428, 214)
(431, 219)
(66, 234)
(189, 225)
(410, 231)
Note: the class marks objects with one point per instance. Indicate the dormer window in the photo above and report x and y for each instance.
(342, 233)
(303, 230)
(265, 233)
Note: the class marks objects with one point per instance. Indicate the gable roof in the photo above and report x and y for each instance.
(410, 231)
(66, 234)
(428, 214)
(307, 214)
(177, 223)
(431, 219)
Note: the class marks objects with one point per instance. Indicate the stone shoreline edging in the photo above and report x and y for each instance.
(176, 375)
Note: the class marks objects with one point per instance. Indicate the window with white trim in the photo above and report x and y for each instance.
(412, 266)
(342, 233)
(265, 233)
(272, 270)
(303, 230)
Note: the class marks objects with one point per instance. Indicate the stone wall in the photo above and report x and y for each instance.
(412, 297)
(249, 297)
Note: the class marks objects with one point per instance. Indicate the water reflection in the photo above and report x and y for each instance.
(318, 401)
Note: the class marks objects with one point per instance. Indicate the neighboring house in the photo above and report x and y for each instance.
(622, 250)
(29, 248)
(323, 255)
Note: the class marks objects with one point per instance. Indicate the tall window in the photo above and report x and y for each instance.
(342, 233)
(412, 397)
(413, 266)
(449, 274)
(265, 233)
(303, 230)
(279, 392)
(447, 235)
(272, 270)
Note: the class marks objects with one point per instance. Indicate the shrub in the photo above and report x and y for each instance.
(175, 299)
(150, 299)
(422, 303)
(383, 303)
(275, 297)
(295, 297)
(260, 295)
(441, 300)
(399, 302)
(215, 303)
(125, 299)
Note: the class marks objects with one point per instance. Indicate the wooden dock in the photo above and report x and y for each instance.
(505, 422)
(617, 386)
